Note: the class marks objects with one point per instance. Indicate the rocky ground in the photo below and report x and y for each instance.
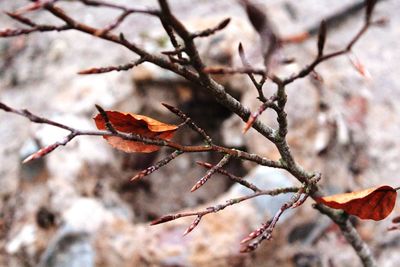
(76, 206)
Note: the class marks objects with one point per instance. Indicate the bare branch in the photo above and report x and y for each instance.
(319, 59)
(350, 233)
(266, 232)
(229, 202)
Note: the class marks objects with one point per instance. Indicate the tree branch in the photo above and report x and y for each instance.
(350, 233)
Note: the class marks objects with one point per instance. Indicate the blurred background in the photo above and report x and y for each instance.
(77, 206)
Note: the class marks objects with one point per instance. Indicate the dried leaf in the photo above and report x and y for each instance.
(374, 203)
(137, 124)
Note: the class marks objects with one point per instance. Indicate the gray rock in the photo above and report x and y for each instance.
(266, 178)
(31, 169)
(69, 249)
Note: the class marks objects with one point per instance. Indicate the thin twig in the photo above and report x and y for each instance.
(210, 172)
(247, 65)
(151, 141)
(234, 178)
(188, 121)
(113, 68)
(106, 119)
(267, 233)
(156, 166)
(229, 202)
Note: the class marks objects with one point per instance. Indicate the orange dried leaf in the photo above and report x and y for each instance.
(374, 203)
(138, 124)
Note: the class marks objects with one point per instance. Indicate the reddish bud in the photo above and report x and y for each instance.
(193, 225)
(396, 219)
(164, 219)
(40, 153)
(359, 66)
